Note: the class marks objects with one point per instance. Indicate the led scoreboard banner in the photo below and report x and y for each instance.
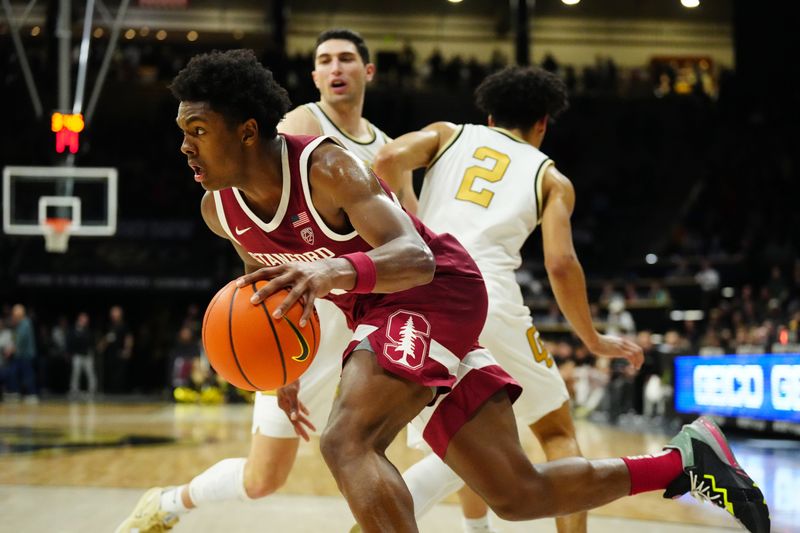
(765, 387)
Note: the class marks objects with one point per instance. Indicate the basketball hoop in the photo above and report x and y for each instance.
(56, 234)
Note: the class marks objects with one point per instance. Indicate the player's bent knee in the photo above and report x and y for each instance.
(340, 445)
(525, 497)
(260, 483)
(516, 508)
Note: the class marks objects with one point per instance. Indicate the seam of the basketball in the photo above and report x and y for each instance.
(274, 334)
(230, 337)
(314, 330)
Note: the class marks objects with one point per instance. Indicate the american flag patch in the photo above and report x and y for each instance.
(299, 219)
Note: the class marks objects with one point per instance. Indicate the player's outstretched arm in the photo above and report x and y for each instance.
(344, 191)
(566, 274)
(396, 160)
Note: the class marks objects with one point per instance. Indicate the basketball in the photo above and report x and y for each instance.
(248, 347)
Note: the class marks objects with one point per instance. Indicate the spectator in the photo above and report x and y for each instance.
(620, 321)
(21, 374)
(80, 347)
(708, 279)
(406, 62)
(117, 347)
(549, 63)
(631, 294)
(659, 295)
(6, 347)
(183, 356)
(777, 287)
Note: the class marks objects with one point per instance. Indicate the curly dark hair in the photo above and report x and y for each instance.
(345, 35)
(518, 97)
(236, 85)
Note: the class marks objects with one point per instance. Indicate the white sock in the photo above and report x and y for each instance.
(429, 481)
(172, 502)
(222, 482)
(478, 525)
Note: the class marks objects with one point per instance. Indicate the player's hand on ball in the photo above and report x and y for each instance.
(307, 281)
(294, 409)
(611, 346)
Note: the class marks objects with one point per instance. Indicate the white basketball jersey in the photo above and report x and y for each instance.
(364, 150)
(485, 188)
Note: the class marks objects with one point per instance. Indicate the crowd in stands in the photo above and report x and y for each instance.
(83, 356)
(749, 318)
(149, 63)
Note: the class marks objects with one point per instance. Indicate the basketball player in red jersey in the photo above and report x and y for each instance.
(416, 304)
(342, 70)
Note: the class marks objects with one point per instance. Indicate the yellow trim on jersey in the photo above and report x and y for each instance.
(447, 145)
(537, 189)
(503, 131)
(357, 141)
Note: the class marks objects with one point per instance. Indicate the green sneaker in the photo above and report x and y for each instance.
(147, 516)
(711, 473)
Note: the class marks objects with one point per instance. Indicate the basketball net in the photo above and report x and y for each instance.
(56, 234)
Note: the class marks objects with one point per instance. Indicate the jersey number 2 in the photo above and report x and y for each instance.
(482, 197)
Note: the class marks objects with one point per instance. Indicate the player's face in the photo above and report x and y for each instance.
(339, 72)
(210, 145)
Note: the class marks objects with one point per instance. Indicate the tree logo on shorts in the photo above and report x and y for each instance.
(408, 332)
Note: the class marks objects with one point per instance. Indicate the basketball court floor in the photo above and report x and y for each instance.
(80, 467)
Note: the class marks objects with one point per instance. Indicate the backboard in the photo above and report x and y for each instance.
(85, 198)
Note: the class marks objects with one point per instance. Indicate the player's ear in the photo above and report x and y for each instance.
(314, 77)
(249, 131)
(370, 70)
(541, 124)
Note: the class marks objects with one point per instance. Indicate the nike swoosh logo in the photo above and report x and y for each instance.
(243, 231)
(305, 351)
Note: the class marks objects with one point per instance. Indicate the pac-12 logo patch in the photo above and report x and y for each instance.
(308, 235)
(409, 333)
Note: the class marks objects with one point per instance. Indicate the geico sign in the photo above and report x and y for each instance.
(785, 380)
(729, 385)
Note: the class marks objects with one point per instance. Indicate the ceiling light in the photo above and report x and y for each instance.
(690, 3)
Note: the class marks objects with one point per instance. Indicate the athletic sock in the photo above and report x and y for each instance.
(653, 472)
(222, 482)
(478, 525)
(171, 500)
(429, 481)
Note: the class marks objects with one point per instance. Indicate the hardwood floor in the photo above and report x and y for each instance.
(83, 466)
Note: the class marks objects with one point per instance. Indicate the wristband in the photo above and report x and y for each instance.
(366, 274)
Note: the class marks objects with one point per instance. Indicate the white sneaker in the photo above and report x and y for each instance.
(31, 399)
(147, 516)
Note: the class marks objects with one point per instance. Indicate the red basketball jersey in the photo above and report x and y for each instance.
(298, 233)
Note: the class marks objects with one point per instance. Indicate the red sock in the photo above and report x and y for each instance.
(653, 472)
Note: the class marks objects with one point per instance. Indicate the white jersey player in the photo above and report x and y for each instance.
(485, 188)
(491, 187)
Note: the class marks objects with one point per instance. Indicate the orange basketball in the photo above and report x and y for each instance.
(251, 349)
